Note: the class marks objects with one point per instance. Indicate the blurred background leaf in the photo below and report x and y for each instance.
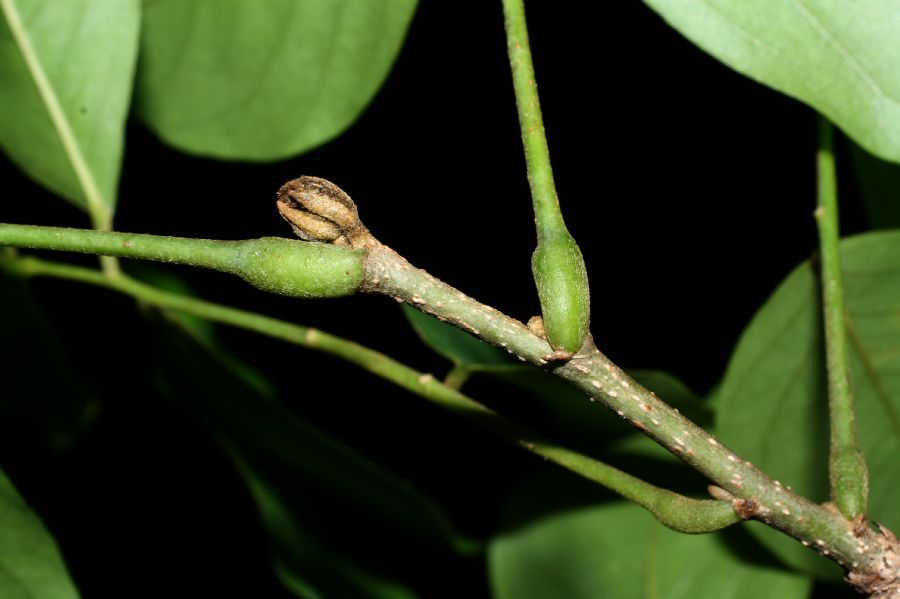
(79, 56)
(31, 566)
(234, 80)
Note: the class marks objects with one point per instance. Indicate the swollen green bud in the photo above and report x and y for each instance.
(290, 267)
(562, 286)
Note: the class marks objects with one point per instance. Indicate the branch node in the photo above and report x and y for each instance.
(880, 580)
(745, 508)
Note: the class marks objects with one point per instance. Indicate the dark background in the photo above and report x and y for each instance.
(689, 188)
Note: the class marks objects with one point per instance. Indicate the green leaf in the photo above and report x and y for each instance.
(327, 510)
(772, 405)
(454, 344)
(31, 566)
(841, 58)
(619, 550)
(67, 70)
(231, 80)
(879, 187)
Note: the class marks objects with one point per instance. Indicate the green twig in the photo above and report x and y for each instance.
(547, 214)
(557, 264)
(846, 462)
(756, 495)
(673, 510)
(457, 377)
(283, 266)
(857, 548)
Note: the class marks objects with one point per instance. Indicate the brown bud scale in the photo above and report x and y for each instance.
(319, 210)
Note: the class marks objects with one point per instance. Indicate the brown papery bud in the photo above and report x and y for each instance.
(319, 210)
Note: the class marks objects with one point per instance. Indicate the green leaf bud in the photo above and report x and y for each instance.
(299, 269)
(562, 286)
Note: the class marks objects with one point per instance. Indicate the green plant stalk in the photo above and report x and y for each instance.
(858, 549)
(457, 377)
(283, 266)
(846, 463)
(537, 154)
(676, 511)
(557, 264)
(756, 495)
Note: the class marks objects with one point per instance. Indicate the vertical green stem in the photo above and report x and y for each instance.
(557, 264)
(537, 154)
(846, 463)
(457, 377)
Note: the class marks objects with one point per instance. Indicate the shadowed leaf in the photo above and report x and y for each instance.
(617, 549)
(31, 566)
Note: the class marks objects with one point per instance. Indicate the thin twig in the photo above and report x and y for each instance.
(857, 548)
(756, 495)
(676, 511)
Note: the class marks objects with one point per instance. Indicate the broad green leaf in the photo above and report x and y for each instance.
(618, 550)
(41, 395)
(66, 72)
(454, 344)
(328, 511)
(879, 187)
(240, 79)
(772, 405)
(841, 58)
(31, 566)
